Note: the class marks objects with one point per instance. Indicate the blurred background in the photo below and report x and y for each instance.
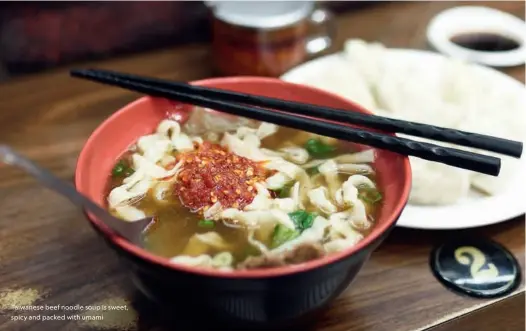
(37, 36)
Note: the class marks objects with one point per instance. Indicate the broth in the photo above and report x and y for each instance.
(176, 224)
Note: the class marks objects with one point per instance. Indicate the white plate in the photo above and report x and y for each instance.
(472, 211)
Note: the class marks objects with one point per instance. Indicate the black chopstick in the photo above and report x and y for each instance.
(457, 158)
(457, 137)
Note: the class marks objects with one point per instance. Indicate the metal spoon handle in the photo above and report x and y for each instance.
(9, 156)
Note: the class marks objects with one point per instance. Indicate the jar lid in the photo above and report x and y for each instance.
(261, 14)
(474, 22)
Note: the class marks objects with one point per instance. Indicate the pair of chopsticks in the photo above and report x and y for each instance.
(242, 104)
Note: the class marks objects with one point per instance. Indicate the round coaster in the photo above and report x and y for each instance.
(476, 267)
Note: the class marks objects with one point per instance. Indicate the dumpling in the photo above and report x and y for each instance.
(494, 185)
(336, 79)
(366, 57)
(437, 184)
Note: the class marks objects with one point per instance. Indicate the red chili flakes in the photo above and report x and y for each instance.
(212, 174)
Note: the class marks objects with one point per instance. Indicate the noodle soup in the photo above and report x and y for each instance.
(230, 193)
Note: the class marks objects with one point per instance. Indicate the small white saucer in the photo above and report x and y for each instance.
(472, 19)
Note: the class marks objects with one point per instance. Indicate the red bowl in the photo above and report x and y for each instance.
(255, 297)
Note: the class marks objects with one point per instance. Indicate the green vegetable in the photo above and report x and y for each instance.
(121, 169)
(282, 234)
(284, 192)
(208, 224)
(302, 219)
(318, 148)
(369, 194)
(313, 171)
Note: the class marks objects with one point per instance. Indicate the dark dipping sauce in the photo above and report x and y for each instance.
(485, 42)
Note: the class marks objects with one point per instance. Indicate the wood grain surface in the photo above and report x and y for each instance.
(49, 255)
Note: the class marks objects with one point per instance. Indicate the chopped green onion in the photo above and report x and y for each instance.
(369, 194)
(207, 224)
(302, 219)
(121, 169)
(282, 234)
(317, 148)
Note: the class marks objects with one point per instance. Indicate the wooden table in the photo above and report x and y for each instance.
(47, 249)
